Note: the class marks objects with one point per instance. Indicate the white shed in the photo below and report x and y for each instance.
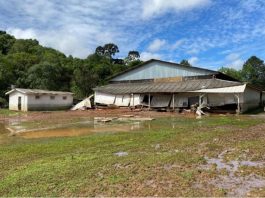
(39, 100)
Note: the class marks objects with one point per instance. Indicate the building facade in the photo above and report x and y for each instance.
(160, 84)
(39, 100)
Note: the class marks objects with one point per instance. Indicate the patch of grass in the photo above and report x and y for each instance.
(7, 112)
(162, 159)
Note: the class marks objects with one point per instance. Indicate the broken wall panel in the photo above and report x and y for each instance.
(84, 103)
(160, 101)
(136, 99)
(179, 101)
(122, 100)
(104, 98)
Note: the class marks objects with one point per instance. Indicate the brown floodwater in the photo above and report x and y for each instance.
(16, 131)
(78, 131)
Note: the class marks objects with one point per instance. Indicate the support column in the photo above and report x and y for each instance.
(173, 102)
(149, 101)
(132, 99)
(238, 103)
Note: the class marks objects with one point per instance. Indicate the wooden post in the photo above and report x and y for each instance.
(149, 101)
(132, 100)
(173, 103)
(238, 103)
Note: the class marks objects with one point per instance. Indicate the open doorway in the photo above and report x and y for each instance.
(19, 103)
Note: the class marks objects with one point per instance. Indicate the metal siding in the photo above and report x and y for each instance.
(251, 99)
(159, 70)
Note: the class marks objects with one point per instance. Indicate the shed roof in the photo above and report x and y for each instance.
(165, 87)
(38, 91)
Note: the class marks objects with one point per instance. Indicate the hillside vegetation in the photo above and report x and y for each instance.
(27, 64)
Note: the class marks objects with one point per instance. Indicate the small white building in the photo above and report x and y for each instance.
(39, 100)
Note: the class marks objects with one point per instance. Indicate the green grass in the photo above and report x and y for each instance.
(87, 166)
(7, 112)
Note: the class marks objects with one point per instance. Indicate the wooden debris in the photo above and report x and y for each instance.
(128, 116)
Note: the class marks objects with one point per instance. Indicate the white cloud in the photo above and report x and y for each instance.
(193, 60)
(156, 45)
(234, 60)
(73, 26)
(153, 8)
(178, 44)
(148, 55)
(22, 34)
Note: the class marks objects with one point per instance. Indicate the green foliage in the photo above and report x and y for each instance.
(108, 50)
(45, 76)
(185, 63)
(232, 73)
(84, 79)
(253, 71)
(26, 64)
(6, 42)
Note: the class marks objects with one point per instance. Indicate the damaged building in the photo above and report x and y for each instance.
(157, 84)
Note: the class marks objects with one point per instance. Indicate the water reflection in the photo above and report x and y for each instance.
(83, 126)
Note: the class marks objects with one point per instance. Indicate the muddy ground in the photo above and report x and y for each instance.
(172, 155)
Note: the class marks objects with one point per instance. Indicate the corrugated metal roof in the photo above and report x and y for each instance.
(234, 89)
(165, 87)
(38, 91)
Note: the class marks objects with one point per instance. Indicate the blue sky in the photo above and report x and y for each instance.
(209, 33)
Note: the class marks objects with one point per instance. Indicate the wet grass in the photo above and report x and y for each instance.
(7, 112)
(163, 159)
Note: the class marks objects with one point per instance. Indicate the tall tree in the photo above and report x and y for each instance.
(253, 71)
(108, 50)
(132, 58)
(185, 63)
(133, 55)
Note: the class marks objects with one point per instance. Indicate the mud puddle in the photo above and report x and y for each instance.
(82, 126)
(234, 183)
(72, 131)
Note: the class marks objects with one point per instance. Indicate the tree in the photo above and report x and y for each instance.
(84, 79)
(133, 55)
(232, 73)
(100, 51)
(132, 58)
(25, 45)
(108, 50)
(185, 63)
(6, 42)
(45, 76)
(134, 63)
(253, 71)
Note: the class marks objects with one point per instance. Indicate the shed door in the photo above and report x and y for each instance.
(19, 103)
